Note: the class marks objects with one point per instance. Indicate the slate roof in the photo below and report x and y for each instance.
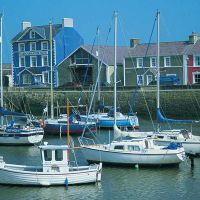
(166, 49)
(107, 53)
(43, 31)
(140, 50)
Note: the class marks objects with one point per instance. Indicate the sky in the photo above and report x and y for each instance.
(178, 18)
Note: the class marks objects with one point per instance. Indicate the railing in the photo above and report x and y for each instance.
(86, 141)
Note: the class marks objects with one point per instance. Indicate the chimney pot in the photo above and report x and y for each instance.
(134, 42)
(25, 25)
(67, 22)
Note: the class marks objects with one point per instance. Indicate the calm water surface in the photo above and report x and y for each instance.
(122, 183)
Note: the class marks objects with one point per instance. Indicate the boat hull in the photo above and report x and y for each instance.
(30, 138)
(104, 121)
(112, 157)
(75, 129)
(9, 174)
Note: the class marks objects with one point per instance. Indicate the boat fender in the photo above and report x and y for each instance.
(66, 183)
(42, 124)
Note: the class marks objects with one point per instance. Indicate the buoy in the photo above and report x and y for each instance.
(136, 166)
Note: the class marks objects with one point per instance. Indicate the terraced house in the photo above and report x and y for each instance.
(179, 59)
(31, 60)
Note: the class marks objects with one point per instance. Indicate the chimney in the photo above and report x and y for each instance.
(134, 42)
(67, 22)
(25, 25)
(193, 38)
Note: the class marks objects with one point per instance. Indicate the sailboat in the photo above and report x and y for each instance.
(59, 125)
(11, 131)
(140, 151)
(190, 142)
(106, 119)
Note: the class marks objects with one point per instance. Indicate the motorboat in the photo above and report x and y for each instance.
(55, 169)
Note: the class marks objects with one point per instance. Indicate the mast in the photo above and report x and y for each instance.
(115, 66)
(1, 62)
(99, 95)
(51, 68)
(68, 136)
(158, 60)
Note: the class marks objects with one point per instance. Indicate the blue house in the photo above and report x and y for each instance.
(31, 52)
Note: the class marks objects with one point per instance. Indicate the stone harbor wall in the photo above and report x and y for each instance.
(173, 102)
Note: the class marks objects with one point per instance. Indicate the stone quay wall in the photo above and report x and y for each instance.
(173, 102)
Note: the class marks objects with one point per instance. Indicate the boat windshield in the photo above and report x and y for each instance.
(47, 155)
(58, 154)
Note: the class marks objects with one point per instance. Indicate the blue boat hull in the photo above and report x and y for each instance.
(76, 129)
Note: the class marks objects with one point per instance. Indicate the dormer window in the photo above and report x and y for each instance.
(32, 35)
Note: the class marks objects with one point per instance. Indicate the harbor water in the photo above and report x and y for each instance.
(146, 183)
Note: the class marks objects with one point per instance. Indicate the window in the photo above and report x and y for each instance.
(21, 47)
(119, 147)
(149, 79)
(153, 62)
(44, 46)
(197, 61)
(45, 60)
(58, 155)
(139, 62)
(47, 155)
(22, 61)
(196, 77)
(33, 61)
(167, 61)
(32, 35)
(32, 46)
(27, 79)
(45, 77)
(133, 148)
(38, 79)
(140, 79)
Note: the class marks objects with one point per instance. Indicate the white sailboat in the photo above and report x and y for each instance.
(11, 132)
(133, 152)
(106, 119)
(190, 142)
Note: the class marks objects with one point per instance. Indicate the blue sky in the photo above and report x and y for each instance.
(178, 18)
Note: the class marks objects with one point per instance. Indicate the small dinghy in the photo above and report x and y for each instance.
(55, 169)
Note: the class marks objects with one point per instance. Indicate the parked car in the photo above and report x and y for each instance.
(73, 85)
(166, 80)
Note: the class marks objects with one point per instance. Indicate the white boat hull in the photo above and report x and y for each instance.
(16, 175)
(113, 157)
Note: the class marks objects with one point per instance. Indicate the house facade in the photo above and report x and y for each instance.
(178, 59)
(31, 54)
(82, 66)
(193, 60)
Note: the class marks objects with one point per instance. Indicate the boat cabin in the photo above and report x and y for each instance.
(132, 145)
(54, 158)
